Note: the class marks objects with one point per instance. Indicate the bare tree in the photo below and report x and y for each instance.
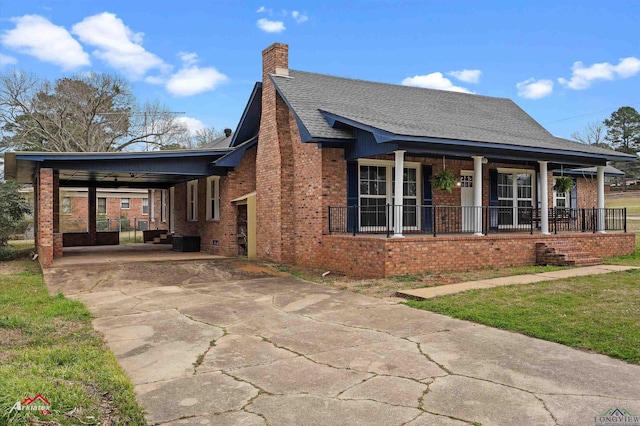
(85, 113)
(592, 134)
(204, 137)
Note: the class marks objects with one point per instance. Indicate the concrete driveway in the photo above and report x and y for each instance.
(208, 343)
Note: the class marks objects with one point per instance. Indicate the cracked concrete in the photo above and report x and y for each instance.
(206, 346)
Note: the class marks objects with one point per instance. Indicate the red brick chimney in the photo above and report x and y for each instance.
(275, 60)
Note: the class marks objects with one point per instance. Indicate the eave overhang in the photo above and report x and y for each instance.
(423, 145)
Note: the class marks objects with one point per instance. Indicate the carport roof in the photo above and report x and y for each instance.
(152, 169)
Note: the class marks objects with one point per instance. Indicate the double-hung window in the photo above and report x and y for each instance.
(125, 203)
(515, 197)
(560, 199)
(145, 206)
(213, 197)
(163, 205)
(102, 206)
(192, 200)
(376, 190)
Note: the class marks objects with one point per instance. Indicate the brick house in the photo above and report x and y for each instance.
(340, 174)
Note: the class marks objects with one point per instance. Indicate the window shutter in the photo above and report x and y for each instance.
(573, 195)
(352, 195)
(427, 198)
(493, 198)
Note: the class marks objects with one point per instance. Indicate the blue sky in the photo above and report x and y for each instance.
(566, 63)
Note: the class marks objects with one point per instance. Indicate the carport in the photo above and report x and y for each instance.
(50, 171)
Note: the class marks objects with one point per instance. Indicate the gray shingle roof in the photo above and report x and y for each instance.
(221, 142)
(412, 111)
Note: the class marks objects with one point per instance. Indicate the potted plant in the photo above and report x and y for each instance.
(563, 184)
(444, 180)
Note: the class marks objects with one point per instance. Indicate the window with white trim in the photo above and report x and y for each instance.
(145, 206)
(192, 200)
(163, 205)
(125, 203)
(213, 197)
(515, 192)
(376, 190)
(560, 199)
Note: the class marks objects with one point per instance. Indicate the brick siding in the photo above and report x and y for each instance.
(377, 257)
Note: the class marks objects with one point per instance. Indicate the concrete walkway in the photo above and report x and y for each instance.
(205, 344)
(431, 292)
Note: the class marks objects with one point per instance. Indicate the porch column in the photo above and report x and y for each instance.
(544, 199)
(91, 215)
(398, 199)
(477, 194)
(601, 212)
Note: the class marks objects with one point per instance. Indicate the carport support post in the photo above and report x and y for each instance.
(601, 211)
(477, 194)
(544, 199)
(44, 203)
(398, 199)
(91, 215)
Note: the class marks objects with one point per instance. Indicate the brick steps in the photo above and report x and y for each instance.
(162, 239)
(564, 253)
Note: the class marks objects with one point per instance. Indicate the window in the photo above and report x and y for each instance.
(515, 192)
(65, 205)
(192, 200)
(125, 203)
(163, 205)
(102, 206)
(377, 187)
(145, 206)
(213, 197)
(560, 199)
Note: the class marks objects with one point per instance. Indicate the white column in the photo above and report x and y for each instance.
(477, 194)
(398, 199)
(544, 198)
(152, 207)
(601, 215)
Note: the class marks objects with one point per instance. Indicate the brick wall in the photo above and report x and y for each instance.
(239, 182)
(377, 257)
(587, 192)
(45, 204)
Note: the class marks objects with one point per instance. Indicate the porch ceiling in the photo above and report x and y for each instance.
(158, 169)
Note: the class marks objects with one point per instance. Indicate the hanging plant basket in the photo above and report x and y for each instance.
(444, 180)
(563, 184)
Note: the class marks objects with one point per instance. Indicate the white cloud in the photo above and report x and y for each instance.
(435, 80)
(117, 45)
(468, 76)
(534, 89)
(582, 76)
(270, 26)
(263, 9)
(6, 60)
(299, 17)
(36, 36)
(193, 124)
(192, 79)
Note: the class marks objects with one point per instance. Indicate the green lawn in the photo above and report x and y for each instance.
(49, 347)
(630, 200)
(599, 313)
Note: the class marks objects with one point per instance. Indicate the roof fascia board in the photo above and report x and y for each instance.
(233, 158)
(118, 156)
(305, 135)
(383, 136)
(252, 98)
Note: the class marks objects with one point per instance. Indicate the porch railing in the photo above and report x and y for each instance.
(438, 220)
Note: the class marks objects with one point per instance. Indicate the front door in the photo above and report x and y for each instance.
(466, 200)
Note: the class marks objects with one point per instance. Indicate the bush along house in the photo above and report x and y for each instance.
(365, 178)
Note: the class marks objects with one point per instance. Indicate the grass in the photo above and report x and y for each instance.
(630, 200)
(49, 347)
(600, 313)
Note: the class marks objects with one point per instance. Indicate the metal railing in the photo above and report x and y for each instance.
(437, 220)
